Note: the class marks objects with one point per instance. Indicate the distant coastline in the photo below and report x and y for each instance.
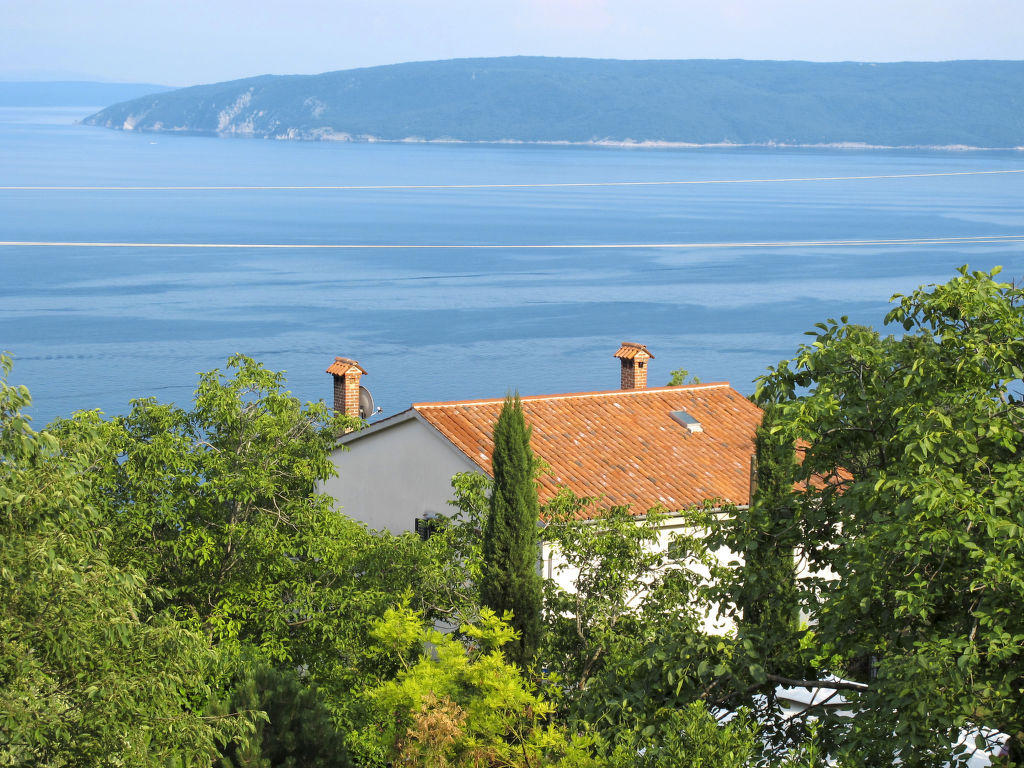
(345, 138)
(650, 144)
(952, 105)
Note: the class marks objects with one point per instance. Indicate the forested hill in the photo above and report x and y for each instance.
(974, 103)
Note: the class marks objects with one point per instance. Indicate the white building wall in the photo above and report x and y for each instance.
(553, 566)
(393, 476)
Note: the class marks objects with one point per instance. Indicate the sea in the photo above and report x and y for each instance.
(542, 258)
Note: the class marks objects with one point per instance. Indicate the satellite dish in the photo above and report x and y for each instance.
(365, 403)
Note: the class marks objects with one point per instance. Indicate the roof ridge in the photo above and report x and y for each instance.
(570, 395)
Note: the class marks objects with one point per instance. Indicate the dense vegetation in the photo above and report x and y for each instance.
(174, 591)
(974, 103)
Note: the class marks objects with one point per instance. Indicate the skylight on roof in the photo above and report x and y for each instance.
(687, 421)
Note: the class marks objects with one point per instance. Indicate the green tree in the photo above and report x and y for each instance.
(681, 376)
(510, 581)
(462, 704)
(660, 655)
(686, 736)
(767, 538)
(915, 551)
(759, 591)
(627, 652)
(216, 505)
(443, 572)
(90, 674)
(613, 560)
(299, 731)
(626, 643)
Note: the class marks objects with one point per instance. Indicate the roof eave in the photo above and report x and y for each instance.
(450, 444)
(410, 414)
(377, 426)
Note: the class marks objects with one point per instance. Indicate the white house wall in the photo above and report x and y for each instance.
(395, 475)
(554, 567)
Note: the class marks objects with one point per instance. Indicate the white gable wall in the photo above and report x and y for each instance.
(553, 566)
(394, 475)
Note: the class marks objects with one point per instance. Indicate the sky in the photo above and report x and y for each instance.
(185, 42)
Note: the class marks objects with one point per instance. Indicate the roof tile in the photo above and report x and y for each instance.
(623, 445)
(343, 365)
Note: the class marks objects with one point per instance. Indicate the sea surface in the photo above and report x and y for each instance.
(94, 327)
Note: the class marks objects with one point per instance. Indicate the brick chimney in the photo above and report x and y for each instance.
(346, 375)
(634, 359)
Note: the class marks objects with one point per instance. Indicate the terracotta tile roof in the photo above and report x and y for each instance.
(631, 349)
(623, 445)
(343, 365)
(840, 478)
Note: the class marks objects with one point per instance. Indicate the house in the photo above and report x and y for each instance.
(670, 447)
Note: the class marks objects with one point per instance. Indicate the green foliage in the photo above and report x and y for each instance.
(758, 590)
(509, 578)
(627, 642)
(766, 536)
(919, 550)
(686, 736)
(612, 560)
(666, 662)
(457, 704)
(472, 491)
(299, 731)
(443, 573)
(691, 735)
(90, 674)
(440, 573)
(217, 506)
(682, 376)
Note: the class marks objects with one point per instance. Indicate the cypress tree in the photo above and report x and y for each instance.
(511, 581)
(767, 596)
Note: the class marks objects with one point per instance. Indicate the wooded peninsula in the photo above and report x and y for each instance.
(953, 104)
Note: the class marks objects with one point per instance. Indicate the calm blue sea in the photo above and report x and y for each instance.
(96, 327)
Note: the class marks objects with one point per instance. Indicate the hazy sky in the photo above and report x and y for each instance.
(182, 42)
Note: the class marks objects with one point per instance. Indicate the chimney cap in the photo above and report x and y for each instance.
(630, 350)
(343, 365)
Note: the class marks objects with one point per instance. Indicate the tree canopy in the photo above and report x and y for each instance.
(91, 673)
(911, 517)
